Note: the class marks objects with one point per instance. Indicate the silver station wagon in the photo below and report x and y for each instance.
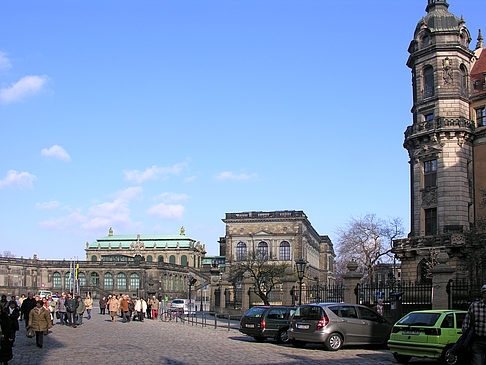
(338, 324)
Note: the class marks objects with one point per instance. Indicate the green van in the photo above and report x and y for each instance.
(429, 334)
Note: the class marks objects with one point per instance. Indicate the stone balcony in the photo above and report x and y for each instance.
(440, 124)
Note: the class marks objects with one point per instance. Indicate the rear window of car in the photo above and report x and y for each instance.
(255, 312)
(420, 319)
(310, 312)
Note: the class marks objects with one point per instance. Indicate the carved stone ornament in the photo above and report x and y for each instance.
(447, 69)
(458, 239)
(429, 197)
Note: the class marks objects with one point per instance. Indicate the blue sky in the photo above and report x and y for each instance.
(150, 115)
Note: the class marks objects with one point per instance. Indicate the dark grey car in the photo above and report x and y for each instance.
(267, 322)
(338, 324)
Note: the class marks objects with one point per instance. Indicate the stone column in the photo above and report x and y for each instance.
(214, 284)
(289, 280)
(351, 279)
(246, 284)
(441, 274)
(225, 286)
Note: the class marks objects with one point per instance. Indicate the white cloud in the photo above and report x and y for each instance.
(27, 85)
(172, 197)
(154, 173)
(4, 62)
(56, 152)
(53, 204)
(167, 211)
(18, 179)
(190, 179)
(227, 175)
(99, 217)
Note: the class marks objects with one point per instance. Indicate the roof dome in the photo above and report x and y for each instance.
(439, 18)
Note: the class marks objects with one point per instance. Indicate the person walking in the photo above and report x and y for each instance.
(155, 307)
(7, 337)
(88, 303)
(124, 309)
(52, 308)
(21, 300)
(13, 314)
(103, 303)
(144, 308)
(79, 311)
(476, 318)
(27, 305)
(113, 307)
(71, 306)
(61, 308)
(40, 322)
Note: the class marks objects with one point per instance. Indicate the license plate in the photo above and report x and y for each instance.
(302, 326)
(250, 325)
(411, 333)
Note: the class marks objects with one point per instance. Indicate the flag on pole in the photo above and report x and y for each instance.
(76, 275)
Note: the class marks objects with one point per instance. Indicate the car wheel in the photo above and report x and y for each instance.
(449, 358)
(259, 338)
(402, 359)
(333, 342)
(283, 337)
(297, 343)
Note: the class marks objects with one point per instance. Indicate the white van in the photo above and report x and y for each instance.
(44, 293)
(183, 305)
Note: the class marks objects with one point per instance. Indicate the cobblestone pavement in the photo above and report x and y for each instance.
(154, 342)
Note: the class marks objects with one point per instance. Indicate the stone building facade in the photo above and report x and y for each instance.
(137, 265)
(281, 236)
(173, 249)
(446, 144)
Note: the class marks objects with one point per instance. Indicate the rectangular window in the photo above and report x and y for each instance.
(481, 116)
(430, 173)
(430, 221)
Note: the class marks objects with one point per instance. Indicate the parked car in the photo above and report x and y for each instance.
(429, 334)
(267, 322)
(44, 293)
(182, 305)
(338, 324)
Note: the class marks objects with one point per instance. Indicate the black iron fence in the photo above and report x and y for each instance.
(398, 298)
(462, 293)
(233, 298)
(275, 297)
(319, 294)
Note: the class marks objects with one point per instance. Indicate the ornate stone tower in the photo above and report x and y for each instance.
(439, 141)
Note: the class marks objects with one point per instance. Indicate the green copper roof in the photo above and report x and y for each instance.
(149, 241)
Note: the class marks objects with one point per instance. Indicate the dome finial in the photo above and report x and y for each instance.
(110, 232)
(480, 43)
(433, 3)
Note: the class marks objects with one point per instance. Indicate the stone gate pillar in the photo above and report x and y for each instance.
(351, 279)
(214, 284)
(245, 287)
(441, 274)
(289, 281)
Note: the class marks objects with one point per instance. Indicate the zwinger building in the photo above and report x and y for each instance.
(138, 265)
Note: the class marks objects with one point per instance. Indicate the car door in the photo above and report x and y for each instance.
(353, 326)
(375, 328)
(275, 321)
(448, 331)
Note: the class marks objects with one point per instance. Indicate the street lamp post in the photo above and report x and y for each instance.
(191, 282)
(300, 263)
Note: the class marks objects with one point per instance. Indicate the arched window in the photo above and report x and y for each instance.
(172, 259)
(56, 280)
(193, 261)
(160, 258)
(284, 251)
(174, 284)
(241, 251)
(184, 260)
(149, 258)
(262, 252)
(199, 261)
(121, 281)
(428, 81)
(68, 279)
(108, 281)
(82, 279)
(464, 81)
(95, 279)
(134, 281)
(94, 258)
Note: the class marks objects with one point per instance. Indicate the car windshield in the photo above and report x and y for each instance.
(310, 312)
(419, 319)
(255, 312)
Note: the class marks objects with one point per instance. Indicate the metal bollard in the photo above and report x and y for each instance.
(215, 320)
(229, 321)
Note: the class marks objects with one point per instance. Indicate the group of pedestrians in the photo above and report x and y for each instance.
(70, 310)
(136, 309)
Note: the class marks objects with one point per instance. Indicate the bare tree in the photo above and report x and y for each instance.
(264, 272)
(7, 254)
(367, 240)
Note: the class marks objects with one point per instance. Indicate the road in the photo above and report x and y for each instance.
(100, 341)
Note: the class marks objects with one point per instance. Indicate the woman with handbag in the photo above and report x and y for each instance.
(40, 322)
